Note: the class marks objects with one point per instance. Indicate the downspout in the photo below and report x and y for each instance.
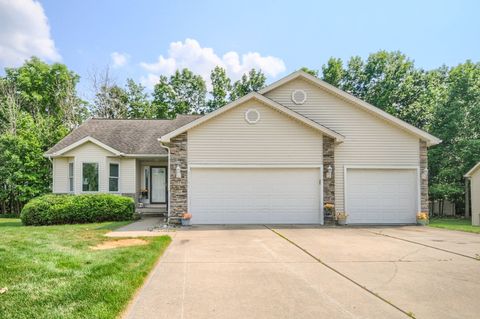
(168, 180)
(467, 197)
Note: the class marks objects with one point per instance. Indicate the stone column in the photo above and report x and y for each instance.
(178, 186)
(423, 182)
(328, 183)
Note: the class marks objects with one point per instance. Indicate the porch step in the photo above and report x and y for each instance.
(152, 210)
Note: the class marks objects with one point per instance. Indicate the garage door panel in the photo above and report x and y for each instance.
(381, 196)
(255, 195)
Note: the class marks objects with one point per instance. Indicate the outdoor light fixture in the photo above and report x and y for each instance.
(329, 171)
(425, 174)
(178, 172)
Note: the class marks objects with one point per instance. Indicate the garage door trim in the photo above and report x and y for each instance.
(381, 167)
(266, 166)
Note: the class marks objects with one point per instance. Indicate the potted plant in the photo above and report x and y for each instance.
(186, 219)
(422, 218)
(341, 218)
(144, 195)
(328, 209)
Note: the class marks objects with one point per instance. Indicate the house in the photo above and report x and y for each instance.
(473, 177)
(275, 157)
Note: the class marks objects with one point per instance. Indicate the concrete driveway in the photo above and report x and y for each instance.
(313, 272)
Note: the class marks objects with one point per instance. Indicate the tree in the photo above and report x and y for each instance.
(47, 90)
(456, 123)
(110, 101)
(38, 107)
(221, 88)
(333, 72)
(309, 71)
(254, 81)
(25, 173)
(182, 93)
(139, 106)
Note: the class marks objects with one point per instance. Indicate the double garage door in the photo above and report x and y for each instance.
(255, 195)
(294, 196)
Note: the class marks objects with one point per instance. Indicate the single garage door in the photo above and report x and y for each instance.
(381, 196)
(255, 195)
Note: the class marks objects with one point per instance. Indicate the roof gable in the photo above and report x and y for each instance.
(87, 139)
(430, 139)
(474, 169)
(260, 98)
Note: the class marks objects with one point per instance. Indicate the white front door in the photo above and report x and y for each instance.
(158, 189)
(255, 196)
(381, 196)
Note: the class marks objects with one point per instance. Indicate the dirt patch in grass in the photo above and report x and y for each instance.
(111, 244)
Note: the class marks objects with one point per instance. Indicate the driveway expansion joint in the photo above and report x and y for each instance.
(424, 245)
(407, 313)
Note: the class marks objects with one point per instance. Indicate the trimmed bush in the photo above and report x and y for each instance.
(77, 209)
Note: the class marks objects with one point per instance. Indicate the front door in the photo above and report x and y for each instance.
(158, 184)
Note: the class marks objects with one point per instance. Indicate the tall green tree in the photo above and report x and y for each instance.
(333, 72)
(456, 122)
(183, 93)
(221, 89)
(110, 102)
(39, 105)
(44, 89)
(252, 82)
(139, 105)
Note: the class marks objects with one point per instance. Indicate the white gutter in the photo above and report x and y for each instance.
(168, 179)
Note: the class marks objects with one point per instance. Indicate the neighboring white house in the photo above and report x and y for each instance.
(276, 156)
(473, 176)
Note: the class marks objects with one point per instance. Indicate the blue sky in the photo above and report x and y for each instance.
(280, 36)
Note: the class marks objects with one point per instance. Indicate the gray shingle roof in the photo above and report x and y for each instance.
(126, 136)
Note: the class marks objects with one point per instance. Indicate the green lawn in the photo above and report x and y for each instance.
(51, 272)
(455, 224)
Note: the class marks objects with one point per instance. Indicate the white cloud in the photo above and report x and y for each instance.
(200, 60)
(119, 59)
(24, 31)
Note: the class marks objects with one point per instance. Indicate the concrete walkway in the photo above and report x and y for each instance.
(145, 227)
(312, 272)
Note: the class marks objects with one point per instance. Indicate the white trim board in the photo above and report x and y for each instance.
(430, 139)
(83, 141)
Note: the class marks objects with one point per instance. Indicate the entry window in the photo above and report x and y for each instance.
(90, 177)
(70, 177)
(113, 179)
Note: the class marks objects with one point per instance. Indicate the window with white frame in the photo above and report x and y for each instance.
(70, 177)
(113, 177)
(90, 177)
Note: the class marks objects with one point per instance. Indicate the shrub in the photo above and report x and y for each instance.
(76, 209)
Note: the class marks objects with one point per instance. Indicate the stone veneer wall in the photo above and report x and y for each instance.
(178, 186)
(328, 183)
(423, 182)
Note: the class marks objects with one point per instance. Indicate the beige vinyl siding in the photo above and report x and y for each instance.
(475, 191)
(275, 139)
(127, 182)
(90, 153)
(369, 140)
(60, 175)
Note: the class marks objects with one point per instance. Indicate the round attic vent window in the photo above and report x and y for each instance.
(252, 116)
(299, 96)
